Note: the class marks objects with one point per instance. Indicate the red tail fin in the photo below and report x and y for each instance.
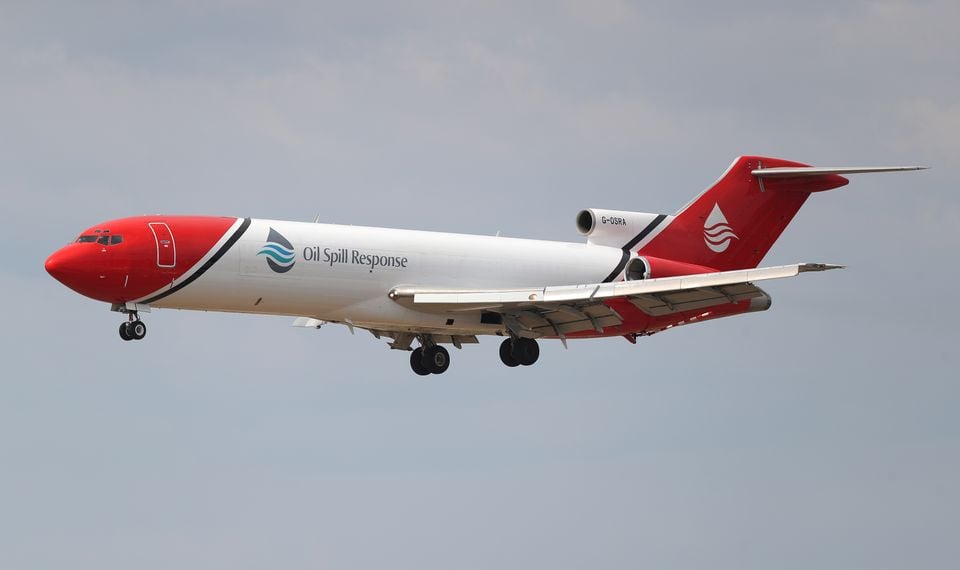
(735, 222)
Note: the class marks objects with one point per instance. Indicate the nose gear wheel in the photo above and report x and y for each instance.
(134, 329)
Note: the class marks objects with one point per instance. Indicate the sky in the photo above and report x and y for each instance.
(822, 433)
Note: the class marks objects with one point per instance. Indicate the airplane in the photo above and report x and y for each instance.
(637, 274)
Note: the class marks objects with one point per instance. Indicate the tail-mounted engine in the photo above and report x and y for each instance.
(614, 228)
(646, 267)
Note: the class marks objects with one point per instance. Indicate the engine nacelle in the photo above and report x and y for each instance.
(611, 227)
(646, 267)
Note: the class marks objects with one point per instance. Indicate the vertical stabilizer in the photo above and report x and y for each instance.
(733, 224)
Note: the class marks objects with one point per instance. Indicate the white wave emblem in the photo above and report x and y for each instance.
(717, 233)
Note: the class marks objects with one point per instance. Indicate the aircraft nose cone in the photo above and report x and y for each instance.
(65, 266)
(55, 266)
(82, 267)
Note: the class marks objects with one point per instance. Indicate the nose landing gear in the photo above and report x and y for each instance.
(134, 329)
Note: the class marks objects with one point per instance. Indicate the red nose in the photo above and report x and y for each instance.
(67, 266)
(57, 266)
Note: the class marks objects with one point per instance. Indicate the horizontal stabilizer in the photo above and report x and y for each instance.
(800, 171)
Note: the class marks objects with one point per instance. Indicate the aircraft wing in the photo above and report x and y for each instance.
(567, 309)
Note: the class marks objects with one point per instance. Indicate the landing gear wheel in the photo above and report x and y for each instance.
(136, 329)
(526, 351)
(436, 359)
(506, 353)
(416, 362)
(124, 334)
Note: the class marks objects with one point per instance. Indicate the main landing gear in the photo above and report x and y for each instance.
(516, 351)
(134, 329)
(433, 359)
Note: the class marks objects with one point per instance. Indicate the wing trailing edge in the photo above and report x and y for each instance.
(564, 310)
(424, 298)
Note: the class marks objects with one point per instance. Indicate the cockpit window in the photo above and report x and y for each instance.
(102, 239)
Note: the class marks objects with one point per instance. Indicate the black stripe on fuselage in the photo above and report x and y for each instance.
(203, 268)
(631, 244)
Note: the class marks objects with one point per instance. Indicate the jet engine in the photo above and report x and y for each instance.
(646, 267)
(621, 229)
(614, 228)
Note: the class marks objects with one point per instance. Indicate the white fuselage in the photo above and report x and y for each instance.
(344, 273)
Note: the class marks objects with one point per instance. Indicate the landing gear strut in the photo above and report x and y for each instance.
(517, 351)
(134, 329)
(432, 359)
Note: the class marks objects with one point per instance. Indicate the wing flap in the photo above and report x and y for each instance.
(547, 318)
(402, 340)
(666, 303)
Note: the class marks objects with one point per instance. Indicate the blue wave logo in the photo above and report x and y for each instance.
(279, 252)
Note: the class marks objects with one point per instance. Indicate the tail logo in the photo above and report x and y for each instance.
(279, 252)
(717, 233)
